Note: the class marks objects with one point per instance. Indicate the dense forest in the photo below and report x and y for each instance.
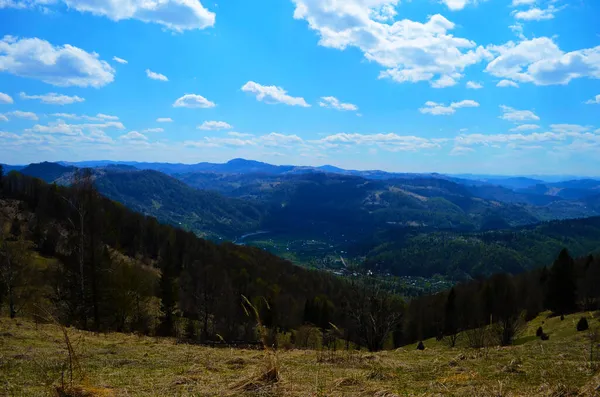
(71, 254)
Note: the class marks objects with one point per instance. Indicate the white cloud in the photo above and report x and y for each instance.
(570, 129)
(23, 115)
(273, 94)
(53, 98)
(156, 76)
(334, 103)
(8, 135)
(540, 61)
(120, 60)
(214, 125)
(153, 130)
(177, 15)
(133, 136)
(3, 117)
(456, 5)
(239, 134)
(275, 139)
(507, 83)
(482, 139)
(460, 150)
(537, 14)
(220, 142)
(5, 99)
(60, 127)
(525, 127)
(439, 109)
(516, 3)
(593, 101)
(409, 51)
(61, 65)
(390, 142)
(515, 115)
(193, 101)
(164, 120)
(98, 117)
(473, 85)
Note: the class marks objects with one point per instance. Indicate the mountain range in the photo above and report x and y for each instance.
(315, 215)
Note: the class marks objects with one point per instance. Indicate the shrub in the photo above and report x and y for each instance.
(539, 332)
(545, 336)
(582, 325)
(421, 346)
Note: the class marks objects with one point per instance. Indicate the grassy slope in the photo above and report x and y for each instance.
(128, 365)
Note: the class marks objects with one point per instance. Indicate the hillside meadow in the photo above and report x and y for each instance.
(34, 361)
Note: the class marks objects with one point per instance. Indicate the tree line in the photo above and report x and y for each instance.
(74, 255)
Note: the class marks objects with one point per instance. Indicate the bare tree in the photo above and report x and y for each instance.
(375, 313)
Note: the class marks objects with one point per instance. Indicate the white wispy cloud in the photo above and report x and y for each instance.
(515, 115)
(97, 117)
(164, 120)
(23, 115)
(57, 65)
(53, 98)
(5, 99)
(193, 101)
(239, 134)
(473, 85)
(537, 14)
(594, 101)
(61, 127)
(3, 117)
(156, 76)
(214, 126)
(133, 136)
(461, 150)
(516, 3)
(273, 94)
(525, 127)
(120, 60)
(507, 83)
(389, 142)
(157, 129)
(439, 109)
(334, 103)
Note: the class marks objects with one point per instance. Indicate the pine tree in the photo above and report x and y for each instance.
(450, 320)
(561, 294)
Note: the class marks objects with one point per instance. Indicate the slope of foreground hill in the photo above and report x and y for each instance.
(34, 357)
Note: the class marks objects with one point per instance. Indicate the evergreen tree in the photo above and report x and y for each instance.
(450, 318)
(561, 292)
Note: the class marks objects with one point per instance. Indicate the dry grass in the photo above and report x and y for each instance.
(31, 359)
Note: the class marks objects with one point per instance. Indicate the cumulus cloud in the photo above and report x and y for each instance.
(273, 94)
(275, 139)
(156, 76)
(193, 101)
(214, 126)
(515, 115)
(409, 51)
(516, 3)
(133, 136)
(439, 109)
(120, 60)
(5, 99)
(53, 98)
(456, 5)
(507, 83)
(57, 65)
(473, 85)
(334, 103)
(541, 62)
(164, 120)
(593, 101)
(176, 15)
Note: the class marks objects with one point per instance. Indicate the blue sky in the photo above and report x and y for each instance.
(488, 86)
